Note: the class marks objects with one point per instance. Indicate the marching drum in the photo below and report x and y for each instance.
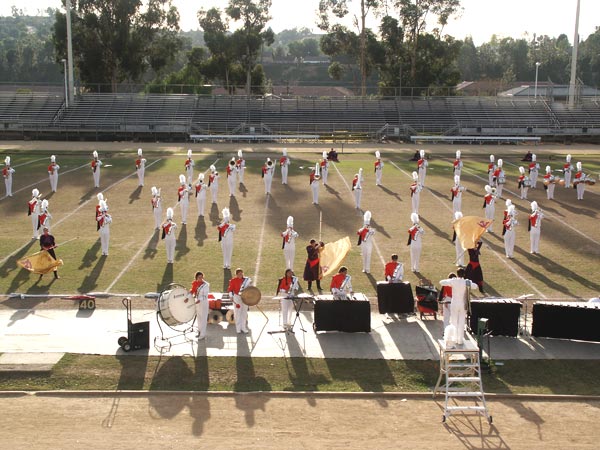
(501, 180)
(175, 307)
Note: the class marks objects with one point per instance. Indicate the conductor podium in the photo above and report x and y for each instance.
(395, 298)
(351, 316)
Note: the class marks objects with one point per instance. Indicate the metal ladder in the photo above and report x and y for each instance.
(461, 369)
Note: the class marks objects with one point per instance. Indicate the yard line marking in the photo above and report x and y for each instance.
(143, 247)
(30, 162)
(260, 240)
(381, 258)
(517, 274)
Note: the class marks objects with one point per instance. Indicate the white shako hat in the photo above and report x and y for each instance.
(488, 189)
(44, 205)
(579, 166)
(7, 160)
(290, 221)
(103, 206)
(95, 154)
(169, 213)
(35, 192)
(422, 153)
(240, 154)
(500, 162)
(182, 179)
(201, 177)
(415, 176)
(154, 191)
(568, 158)
(53, 158)
(457, 154)
(232, 161)
(212, 168)
(324, 155)
(456, 180)
(548, 169)
(492, 158)
(139, 152)
(367, 218)
(533, 157)
(226, 214)
(189, 153)
(458, 215)
(285, 152)
(522, 170)
(100, 197)
(511, 210)
(415, 218)
(377, 154)
(534, 206)
(360, 171)
(508, 202)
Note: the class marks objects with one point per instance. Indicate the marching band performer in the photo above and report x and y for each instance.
(394, 270)
(156, 203)
(458, 309)
(422, 168)
(505, 214)
(534, 169)
(491, 170)
(458, 164)
(284, 163)
(509, 223)
(378, 168)
(287, 288)
(95, 166)
(535, 228)
(460, 253)
(183, 198)
(140, 167)
(457, 191)
(579, 182)
(240, 309)
(499, 178)
(267, 174)
(523, 183)
(226, 231)
(567, 167)
(415, 192)
(48, 243)
(231, 176)
(100, 198)
(324, 168)
(199, 292)
(489, 204)
(549, 183)
(44, 217)
(33, 210)
(241, 166)
(7, 173)
(104, 220)
(341, 284)
(312, 269)
(365, 240)
(53, 173)
(213, 183)
(189, 167)
(357, 188)
(289, 243)
(314, 178)
(473, 271)
(200, 189)
(415, 234)
(168, 235)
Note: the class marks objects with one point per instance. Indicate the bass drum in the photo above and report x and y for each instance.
(175, 307)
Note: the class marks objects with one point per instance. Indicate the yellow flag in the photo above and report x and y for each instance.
(41, 262)
(469, 229)
(333, 254)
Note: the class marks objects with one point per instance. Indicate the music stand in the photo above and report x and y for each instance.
(298, 302)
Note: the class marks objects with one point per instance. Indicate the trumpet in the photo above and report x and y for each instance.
(269, 163)
(317, 171)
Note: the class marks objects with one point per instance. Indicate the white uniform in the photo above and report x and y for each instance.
(213, 184)
(499, 179)
(580, 176)
(156, 203)
(458, 311)
(104, 221)
(378, 171)
(567, 168)
(189, 168)
(489, 203)
(226, 231)
(535, 228)
(534, 169)
(457, 165)
(414, 240)
(287, 304)
(140, 167)
(7, 173)
(34, 213)
(53, 174)
(457, 191)
(241, 166)
(200, 197)
(510, 233)
(284, 163)
(422, 168)
(357, 183)
(415, 196)
(324, 170)
(231, 178)
(240, 309)
(366, 245)
(491, 170)
(44, 217)
(314, 187)
(201, 303)
(168, 234)
(95, 165)
(267, 172)
(289, 247)
(183, 197)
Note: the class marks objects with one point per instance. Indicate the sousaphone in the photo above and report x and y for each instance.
(251, 296)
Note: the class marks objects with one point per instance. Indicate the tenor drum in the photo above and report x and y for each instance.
(175, 307)
(501, 180)
(590, 181)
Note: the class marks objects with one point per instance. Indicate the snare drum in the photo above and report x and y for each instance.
(501, 180)
(175, 307)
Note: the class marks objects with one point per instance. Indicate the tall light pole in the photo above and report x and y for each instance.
(69, 53)
(537, 66)
(574, 60)
(64, 61)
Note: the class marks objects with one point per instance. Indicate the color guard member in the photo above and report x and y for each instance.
(232, 176)
(199, 292)
(415, 233)
(523, 183)
(104, 220)
(458, 164)
(95, 166)
(213, 183)
(567, 167)
(183, 198)
(357, 183)
(456, 192)
(394, 270)
(241, 166)
(53, 173)
(422, 168)
(289, 243)
(33, 210)
(48, 243)
(168, 235)
(534, 169)
(312, 269)
(7, 173)
(189, 167)
(140, 167)
(284, 163)
(378, 168)
(286, 289)
(415, 193)
(226, 231)
(365, 241)
(499, 178)
(240, 309)
(324, 168)
(200, 189)
(489, 204)
(535, 228)
(473, 271)
(156, 202)
(549, 183)
(268, 169)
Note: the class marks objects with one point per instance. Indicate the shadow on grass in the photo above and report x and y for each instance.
(391, 193)
(89, 282)
(234, 209)
(135, 195)
(167, 278)
(11, 263)
(200, 231)
(181, 246)
(90, 256)
(214, 214)
(435, 229)
(248, 381)
(152, 248)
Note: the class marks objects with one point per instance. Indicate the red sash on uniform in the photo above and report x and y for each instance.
(282, 161)
(420, 163)
(490, 168)
(222, 229)
(362, 234)
(338, 280)
(413, 189)
(390, 268)
(188, 163)
(32, 203)
(5, 172)
(94, 165)
(138, 163)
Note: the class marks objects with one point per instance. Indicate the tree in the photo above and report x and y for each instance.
(589, 59)
(390, 73)
(254, 15)
(118, 40)
(339, 9)
(220, 44)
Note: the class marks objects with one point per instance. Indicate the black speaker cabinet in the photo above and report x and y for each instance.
(396, 298)
(139, 335)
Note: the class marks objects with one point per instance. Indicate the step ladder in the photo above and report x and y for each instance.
(461, 369)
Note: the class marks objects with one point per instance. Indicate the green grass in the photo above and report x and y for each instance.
(87, 372)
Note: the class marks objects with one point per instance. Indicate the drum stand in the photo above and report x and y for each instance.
(162, 343)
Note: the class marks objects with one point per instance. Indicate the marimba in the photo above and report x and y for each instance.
(502, 314)
(567, 320)
(350, 316)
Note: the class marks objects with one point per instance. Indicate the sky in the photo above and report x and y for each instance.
(480, 19)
